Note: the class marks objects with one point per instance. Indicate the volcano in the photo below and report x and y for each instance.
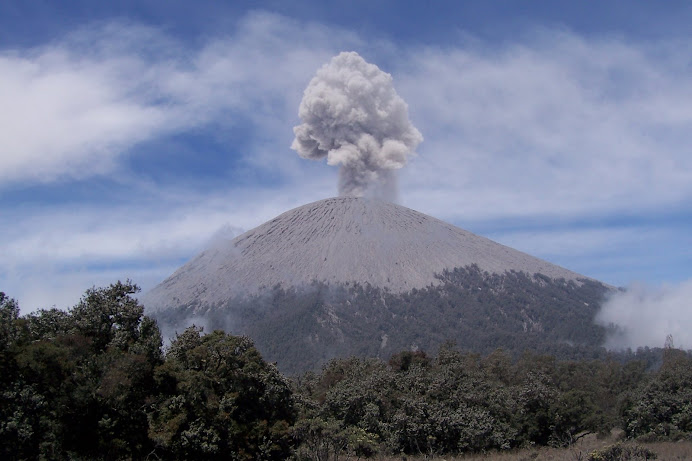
(341, 240)
(349, 275)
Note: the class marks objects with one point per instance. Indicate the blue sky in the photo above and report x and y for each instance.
(134, 132)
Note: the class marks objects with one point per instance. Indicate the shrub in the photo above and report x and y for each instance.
(620, 452)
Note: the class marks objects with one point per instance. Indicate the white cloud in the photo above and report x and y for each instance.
(558, 125)
(87, 235)
(646, 315)
(66, 112)
(71, 108)
(552, 126)
(565, 242)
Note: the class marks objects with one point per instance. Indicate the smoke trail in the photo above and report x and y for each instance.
(645, 316)
(352, 115)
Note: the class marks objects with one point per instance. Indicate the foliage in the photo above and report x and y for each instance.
(322, 440)
(9, 328)
(461, 402)
(94, 383)
(620, 452)
(661, 407)
(453, 403)
(76, 381)
(220, 401)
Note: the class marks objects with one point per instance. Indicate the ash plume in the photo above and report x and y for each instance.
(352, 115)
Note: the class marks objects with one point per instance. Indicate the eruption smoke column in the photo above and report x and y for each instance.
(352, 115)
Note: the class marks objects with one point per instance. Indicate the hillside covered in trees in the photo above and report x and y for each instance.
(301, 329)
(95, 383)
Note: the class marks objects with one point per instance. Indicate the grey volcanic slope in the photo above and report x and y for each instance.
(339, 240)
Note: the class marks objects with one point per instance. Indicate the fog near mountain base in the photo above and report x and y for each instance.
(352, 115)
(645, 316)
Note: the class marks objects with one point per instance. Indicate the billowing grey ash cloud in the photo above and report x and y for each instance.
(352, 115)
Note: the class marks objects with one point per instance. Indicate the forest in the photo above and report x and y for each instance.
(96, 382)
(303, 328)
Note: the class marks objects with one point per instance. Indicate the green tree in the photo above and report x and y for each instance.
(661, 408)
(220, 401)
(84, 379)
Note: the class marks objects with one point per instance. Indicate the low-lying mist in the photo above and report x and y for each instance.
(646, 315)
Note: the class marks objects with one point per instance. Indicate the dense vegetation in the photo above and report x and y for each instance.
(95, 383)
(302, 329)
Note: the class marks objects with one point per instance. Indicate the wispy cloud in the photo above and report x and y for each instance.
(72, 107)
(69, 108)
(553, 125)
(617, 254)
(50, 256)
(556, 124)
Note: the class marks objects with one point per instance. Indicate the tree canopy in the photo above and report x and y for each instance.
(95, 382)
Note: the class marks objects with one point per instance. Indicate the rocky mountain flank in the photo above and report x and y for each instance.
(338, 241)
